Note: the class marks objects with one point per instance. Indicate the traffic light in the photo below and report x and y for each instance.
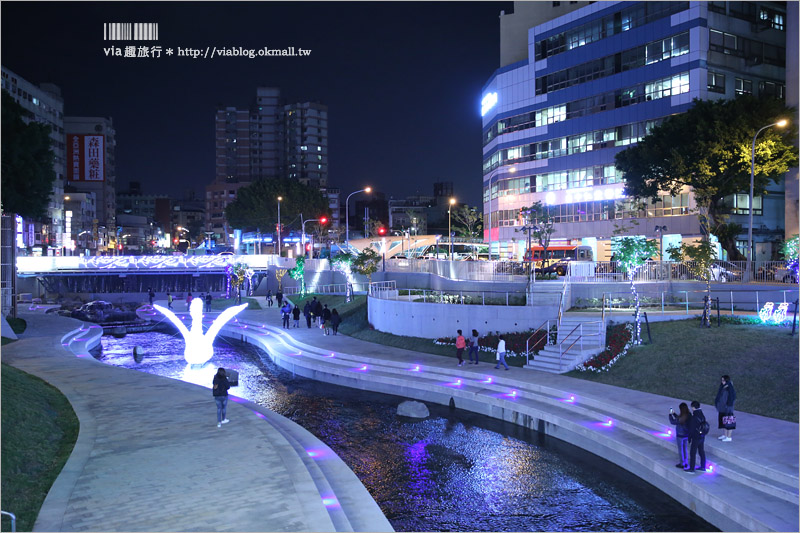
(381, 231)
(308, 247)
(323, 220)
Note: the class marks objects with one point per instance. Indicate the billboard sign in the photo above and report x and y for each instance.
(86, 157)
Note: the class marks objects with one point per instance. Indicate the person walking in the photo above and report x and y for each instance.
(188, 300)
(209, 299)
(501, 352)
(220, 392)
(726, 396)
(296, 316)
(681, 423)
(335, 321)
(150, 295)
(697, 438)
(269, 298)
(279, 297)
(461, 343)
(473, 346)
(285, 312)
(169, 300)
(326, 319)
(317, 311)
(308, 313)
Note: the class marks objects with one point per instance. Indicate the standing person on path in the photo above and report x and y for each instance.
(150, 295)
(461, 343)
(209, 299)
(169, 300)
(188, 300)
(473, 346)
(317, 311)
(335, 321)
(279, 297)
(696, 438)
(307, 313)
(326, 319)
(296, 316)
(501, 352)
(681, 423)
(220, 392)
(285, 312)
(726, 396)
(269, 298)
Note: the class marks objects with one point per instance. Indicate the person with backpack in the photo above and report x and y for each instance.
(698, 429)
(681, 423)
(473, 346)
(220, 393)
(726, 396)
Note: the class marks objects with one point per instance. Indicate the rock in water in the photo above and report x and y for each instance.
(138, 354)
(413, 409)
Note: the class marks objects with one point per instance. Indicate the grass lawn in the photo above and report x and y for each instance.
(220, 304)
(686, 362)
(39, 431)
(356, 325)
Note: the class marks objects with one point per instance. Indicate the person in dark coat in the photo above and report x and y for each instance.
(209, 299)
(286, 311)
(308, 313)
(296, 316)
(279, 297)
(151, 295)
(335, 321)
(326, 319)
(317, 310)
(726, 396)
(696, 440)
(220, 392)
(681, 423)
(269, 298)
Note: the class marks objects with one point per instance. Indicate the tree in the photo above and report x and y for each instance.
(708, 149)
(469, 222)
(298, 273)
(27, 165)
(542, 226)
(256, 205)
(372, 228)
(367, 262)
(701, 257)
(790, 250)
(631, 254)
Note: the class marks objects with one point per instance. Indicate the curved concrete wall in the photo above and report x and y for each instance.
(431, 321)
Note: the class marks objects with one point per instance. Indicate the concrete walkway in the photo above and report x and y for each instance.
(754, 484)
(149, 456)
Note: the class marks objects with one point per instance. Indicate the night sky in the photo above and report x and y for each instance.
(402, 82)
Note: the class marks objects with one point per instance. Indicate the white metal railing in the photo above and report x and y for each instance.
(459, 297)
(676, 300)
(578, 339)
(13, 519)
(379, 289)
(720, 272)
(331, 288)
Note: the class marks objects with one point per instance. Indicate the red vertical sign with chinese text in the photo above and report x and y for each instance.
(86, 157)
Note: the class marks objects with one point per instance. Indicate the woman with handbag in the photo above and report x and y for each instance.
(726, 396)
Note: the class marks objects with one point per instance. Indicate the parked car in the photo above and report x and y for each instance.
(723, 271)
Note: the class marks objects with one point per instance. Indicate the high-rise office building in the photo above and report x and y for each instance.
(45, 106)
(596, 80)
(269, 139)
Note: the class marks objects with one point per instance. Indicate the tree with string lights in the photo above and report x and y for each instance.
(632, 252)
(699, 259)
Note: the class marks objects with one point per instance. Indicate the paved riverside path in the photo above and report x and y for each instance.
(149, 456)
(763, 453)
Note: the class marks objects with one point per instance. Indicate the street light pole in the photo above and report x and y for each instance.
(347, 212)
(304, 234)
(450, 227)
(280, 199)
(780, 124)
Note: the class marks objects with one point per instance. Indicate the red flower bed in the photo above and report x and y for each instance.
(618, 338)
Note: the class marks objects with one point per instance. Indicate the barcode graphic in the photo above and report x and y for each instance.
(130, 31)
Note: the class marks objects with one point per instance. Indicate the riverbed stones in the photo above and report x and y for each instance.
(413, 409)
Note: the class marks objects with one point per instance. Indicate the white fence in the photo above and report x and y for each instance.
(720, 272)
(387, 290)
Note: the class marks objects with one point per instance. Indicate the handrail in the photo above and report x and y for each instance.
(570, 333)
(561, 353)
(603, 309)
(13, 519)
(561, 301)
(546, 338)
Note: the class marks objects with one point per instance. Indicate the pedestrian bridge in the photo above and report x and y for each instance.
(153, 264)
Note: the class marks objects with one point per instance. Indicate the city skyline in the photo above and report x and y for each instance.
(402, 82)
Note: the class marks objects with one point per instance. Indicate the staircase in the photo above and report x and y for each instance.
(578, 339)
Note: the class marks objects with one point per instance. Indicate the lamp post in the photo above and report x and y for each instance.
(780, 124)
(450, 226)
(495, 171)
(347, 212)
(323, 220)
(280, 199)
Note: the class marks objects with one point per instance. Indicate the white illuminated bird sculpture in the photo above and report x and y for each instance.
(199, 346)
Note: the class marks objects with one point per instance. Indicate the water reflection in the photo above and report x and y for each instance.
(454, 471)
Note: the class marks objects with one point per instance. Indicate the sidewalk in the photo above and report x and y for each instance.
(755, 480)
(149, 456)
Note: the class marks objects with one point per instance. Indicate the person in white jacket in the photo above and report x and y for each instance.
(501, 353)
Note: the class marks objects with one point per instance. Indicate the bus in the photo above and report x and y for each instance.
(559, 253)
